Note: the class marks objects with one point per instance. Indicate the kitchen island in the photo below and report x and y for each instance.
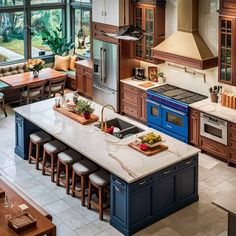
(143, 189)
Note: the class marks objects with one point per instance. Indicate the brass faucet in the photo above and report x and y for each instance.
(102, 113)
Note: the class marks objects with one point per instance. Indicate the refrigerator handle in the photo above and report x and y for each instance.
(101, 64)
(104, 65)
(102, 89)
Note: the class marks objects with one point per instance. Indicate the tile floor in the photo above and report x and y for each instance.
(199, 219)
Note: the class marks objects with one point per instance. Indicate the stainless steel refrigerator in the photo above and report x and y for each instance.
(106, 73)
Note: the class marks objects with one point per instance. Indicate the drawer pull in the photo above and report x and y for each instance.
(118, 182)
(166, 172)
(142, 183)
(188, 162)
(117, 189)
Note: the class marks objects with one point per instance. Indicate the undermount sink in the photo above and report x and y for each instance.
(126, 129)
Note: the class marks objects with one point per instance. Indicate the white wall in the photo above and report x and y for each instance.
(208, 28)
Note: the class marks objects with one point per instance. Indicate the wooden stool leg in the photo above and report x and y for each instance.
(52, 167)
(100, 194)
(58, 172)
(89, 194)
(30, 151)
(83, 190)
(67, 179)
(37, 157)
(73, 184)
(44, 162)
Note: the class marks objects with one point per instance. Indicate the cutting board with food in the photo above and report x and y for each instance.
(149, 144)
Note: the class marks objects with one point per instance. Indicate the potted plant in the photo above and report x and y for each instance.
(35, 65)
(161, 77)
(84, 107)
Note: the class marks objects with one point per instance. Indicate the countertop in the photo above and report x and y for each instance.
(215, 109)
(107, 151)
(137, 83)
(85, 63)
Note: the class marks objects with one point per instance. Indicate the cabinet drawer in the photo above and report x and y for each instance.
(232, 135)
(167, 171)
(80, 70)
(214, 147)
(117, 181)
(188, 162)
(232, 126)
(130, 88)
(142, 182)
(130, 97)
(232, 156)
(130, 109)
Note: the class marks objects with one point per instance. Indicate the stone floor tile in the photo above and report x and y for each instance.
(88, 229)
(64, 230)
(57, 207)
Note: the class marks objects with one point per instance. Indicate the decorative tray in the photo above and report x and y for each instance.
(2, 193)
(76, 117)
(22, 222)
(150, 151)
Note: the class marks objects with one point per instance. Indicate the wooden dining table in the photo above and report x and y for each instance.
(44, 226)
(26, 78)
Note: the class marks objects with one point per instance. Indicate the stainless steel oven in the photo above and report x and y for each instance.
(213, 128)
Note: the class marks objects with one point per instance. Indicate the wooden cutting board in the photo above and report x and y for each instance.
(152, 151)
(78, 118)
(146, 85)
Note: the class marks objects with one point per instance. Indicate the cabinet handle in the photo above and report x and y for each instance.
(105, 13)
(166, 172)
(117, 189)
(142, 183)
(102, 13)
(188, 162)
(118, 182)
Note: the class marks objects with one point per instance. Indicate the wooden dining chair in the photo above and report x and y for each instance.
(2, 104)
(55, 86)
(34, 92)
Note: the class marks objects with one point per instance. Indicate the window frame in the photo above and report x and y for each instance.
(84, 6)
(27, 8)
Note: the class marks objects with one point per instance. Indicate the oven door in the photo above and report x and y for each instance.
(175, 121)
(154, 113)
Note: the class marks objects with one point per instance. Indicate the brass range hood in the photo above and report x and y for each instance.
(186, 46)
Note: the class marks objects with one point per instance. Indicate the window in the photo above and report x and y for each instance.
(11, 36)
(21, 25)
(43, 20)
(81, 33)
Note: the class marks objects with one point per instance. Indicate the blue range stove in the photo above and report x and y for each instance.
(167, 110)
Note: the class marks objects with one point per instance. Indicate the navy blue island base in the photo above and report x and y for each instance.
(137, 205)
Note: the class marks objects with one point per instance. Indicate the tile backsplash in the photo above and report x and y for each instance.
(208, 28)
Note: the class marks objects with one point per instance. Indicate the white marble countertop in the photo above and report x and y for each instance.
(136, 83)
(98, 146)
(215, 109)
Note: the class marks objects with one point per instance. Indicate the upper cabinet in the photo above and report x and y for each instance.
(227, 42)
(111, 12)
(151, 19)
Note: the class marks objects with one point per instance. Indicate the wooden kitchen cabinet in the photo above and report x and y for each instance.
(133, 102)
(84, 78)
(151, 19)
(232, 143)
(227, 42)
(111, 12)
(194, 127)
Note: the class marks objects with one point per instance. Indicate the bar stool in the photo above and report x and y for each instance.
(51, 149)
(67, 159)
(100, 180)
(38, 139)
(81, 169)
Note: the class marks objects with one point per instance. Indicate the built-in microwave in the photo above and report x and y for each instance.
(213, 128)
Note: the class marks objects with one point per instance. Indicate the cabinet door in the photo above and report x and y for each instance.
(80, 81)
(112, 9)
(166, 189)
(143, 107)
(88, 84)
(194, 127)
(227, 50)
(98, 11)
(141, 205)
(187, 182)
(119, 204)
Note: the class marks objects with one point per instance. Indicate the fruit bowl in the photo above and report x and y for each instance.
(151, 140)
